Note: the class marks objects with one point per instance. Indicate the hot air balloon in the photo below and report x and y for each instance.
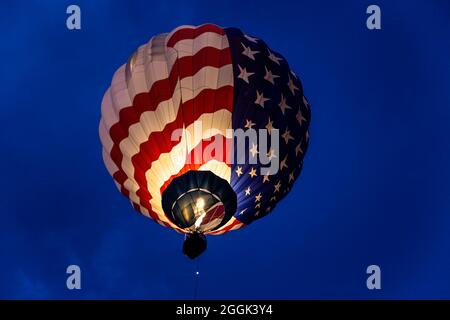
(169, 127)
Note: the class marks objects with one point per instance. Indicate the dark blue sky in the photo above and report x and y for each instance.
(375, 188)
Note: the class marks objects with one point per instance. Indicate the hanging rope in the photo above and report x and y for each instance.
(196, 277)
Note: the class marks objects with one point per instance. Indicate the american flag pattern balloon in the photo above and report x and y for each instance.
(225, 79)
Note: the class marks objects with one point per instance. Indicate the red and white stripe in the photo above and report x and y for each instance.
(169, 83)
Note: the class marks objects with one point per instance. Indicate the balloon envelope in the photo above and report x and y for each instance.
(204, 129)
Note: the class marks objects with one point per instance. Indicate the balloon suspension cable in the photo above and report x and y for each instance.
(196, 277)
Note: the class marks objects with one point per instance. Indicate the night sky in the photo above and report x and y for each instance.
(375, 186)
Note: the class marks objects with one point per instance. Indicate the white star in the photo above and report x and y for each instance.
(252, 173)
(258, 197)
(287, 136)
(247, 191)
(277, 186)
(260, 99)
(298, 148)
(254, 151)
(292, 86)
(283, 106)
(291, 176)
(269, 126)
(255, 40)
(283, 163)
(242, 211)
(273, 198)
(274, 58)
(300, 117)
(257, 213)
(266, 179)
(258, 205)
(248, 124)
(268, 209)
(248, 52)
(270, 76)
(271, 154)
(239, 171)
(244, 74)
(305, 102)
